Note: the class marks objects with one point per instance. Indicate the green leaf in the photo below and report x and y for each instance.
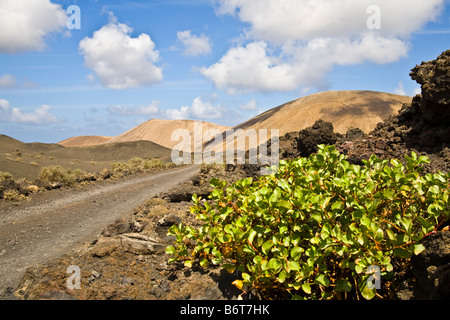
(418, 248)
(296, 252)
(390, 235)
(274, 197)
(322, 280)
(204, 263)
(343, 285)
(366, 221)
(367, 293)
(246, 277)
(293, 266)
(317, 216)
(274, 264)
(284, 204)
(434, 189)
(267, 246)
(170, 250)
(230, 268)
(284, 185)
(306, 287)
(338, 205)
(402, 253)
(252, 235)
(282, 276)
(326, 230)
(389, 194)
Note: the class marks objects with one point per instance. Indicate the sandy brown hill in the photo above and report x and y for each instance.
(85, 141)
(160, 131)
(344, 109)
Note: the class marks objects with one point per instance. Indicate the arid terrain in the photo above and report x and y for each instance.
(25, 160)
(58, 221)
(123, 255)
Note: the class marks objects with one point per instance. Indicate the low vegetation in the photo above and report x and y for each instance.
(58, 177)
(315, 229)
(14, 195)
(139, 165)
(5, 176)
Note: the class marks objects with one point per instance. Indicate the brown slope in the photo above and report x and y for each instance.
(344, 109)
(85, 141)
(160, 131)
(25, 160)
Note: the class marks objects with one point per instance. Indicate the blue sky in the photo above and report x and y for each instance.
(221, 61)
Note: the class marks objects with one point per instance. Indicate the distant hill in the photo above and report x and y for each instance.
(85, 141)
(25, 160)
(344, 109)
(160, 131)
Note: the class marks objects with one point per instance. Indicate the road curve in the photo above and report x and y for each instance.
(55, 222)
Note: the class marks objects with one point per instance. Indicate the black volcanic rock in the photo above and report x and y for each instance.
(321, 132)
(434, 76)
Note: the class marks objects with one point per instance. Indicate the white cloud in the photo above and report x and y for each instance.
(417, 91)
(198, 109)
(40, 115)
(253, 67)
(291, 44)
(24, 25)
(178, 114)
(250, 106)
(8, 81)
(150, 109)
(194, 45)
(281, 21)
(249, 68)
(120, 61)
(400, 90)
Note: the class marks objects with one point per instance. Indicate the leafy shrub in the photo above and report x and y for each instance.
(313, 229)
(14, 195)
(139, 165)
(58, 176)
(5, 176)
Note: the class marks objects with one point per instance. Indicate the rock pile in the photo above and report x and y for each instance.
(422, 126)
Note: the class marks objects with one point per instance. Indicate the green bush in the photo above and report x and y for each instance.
(56, 175)
(313, 229)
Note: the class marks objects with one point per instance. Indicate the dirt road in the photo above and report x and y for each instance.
(57, 221)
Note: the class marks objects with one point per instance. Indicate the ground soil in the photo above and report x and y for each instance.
(55, 222)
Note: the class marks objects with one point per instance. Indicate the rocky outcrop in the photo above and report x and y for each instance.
(422, 126)
(434, 76)
(321, 132)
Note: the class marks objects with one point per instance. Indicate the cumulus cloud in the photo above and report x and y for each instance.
(280, 21)
(8, 81)
(198, 109)
(120, 61)
(40, 115)
(250, 106)
(24, 25)
(294, 43)
(194, 45)
(150, 109)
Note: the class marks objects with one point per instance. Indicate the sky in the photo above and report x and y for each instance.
(97, 67)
